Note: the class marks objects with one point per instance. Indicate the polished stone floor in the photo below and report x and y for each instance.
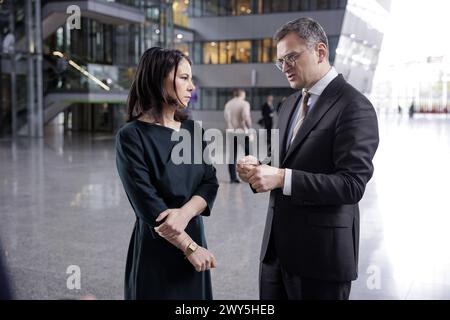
(62, 204)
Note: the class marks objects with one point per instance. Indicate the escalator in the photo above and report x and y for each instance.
(67, 80)
(70, 80)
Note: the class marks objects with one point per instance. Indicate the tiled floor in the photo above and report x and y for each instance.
(61, 204)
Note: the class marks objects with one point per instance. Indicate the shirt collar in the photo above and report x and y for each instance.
(320, 86)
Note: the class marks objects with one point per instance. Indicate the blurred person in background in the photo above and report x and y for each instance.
(268, 112)
(237, 120)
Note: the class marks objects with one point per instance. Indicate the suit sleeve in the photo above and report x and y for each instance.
(209, 185)
(265, 111)
(355, 144)
(135, 175)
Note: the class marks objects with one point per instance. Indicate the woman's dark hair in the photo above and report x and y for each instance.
(147, 94)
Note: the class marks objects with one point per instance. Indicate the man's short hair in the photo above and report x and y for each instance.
(306, 28)
(237, 92)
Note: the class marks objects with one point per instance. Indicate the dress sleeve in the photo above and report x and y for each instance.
(135, 175)
(209, 185)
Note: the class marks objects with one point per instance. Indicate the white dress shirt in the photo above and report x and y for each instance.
(237, 114)
(315, 92)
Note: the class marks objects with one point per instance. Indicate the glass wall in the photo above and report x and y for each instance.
(198, 8)
(371, 12)
(221, 7)
(242, 51)
(210, 53)
(267, 51)
(180, 12)
(109, 52)
(13, 11)
(97, 42)
(237, 51)
(356, 53)
(226, 52)
(97, 57)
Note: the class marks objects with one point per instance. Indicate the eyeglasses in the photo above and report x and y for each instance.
(290, 59)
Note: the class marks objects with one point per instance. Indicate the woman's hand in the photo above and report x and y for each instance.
(202, 259)
(176, 222)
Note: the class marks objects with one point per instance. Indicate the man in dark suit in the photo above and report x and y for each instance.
(328, 138)
(268, 111)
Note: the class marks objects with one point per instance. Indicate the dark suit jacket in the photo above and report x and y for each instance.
(316, 230)
(267, 113)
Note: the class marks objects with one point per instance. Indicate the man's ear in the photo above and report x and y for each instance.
(322, 52)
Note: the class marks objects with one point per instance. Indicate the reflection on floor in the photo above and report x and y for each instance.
(62, 204)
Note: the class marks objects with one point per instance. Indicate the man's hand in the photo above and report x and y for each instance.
(176, 222)
(265, 178)
(245, 166)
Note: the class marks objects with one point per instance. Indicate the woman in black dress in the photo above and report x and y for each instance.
(167, 256)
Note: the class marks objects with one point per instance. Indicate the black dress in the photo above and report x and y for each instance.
(155, 268)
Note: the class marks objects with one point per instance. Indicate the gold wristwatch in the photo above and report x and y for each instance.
(191, 249)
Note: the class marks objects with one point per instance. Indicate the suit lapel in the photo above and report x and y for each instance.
(284, 118)
(326, 100)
